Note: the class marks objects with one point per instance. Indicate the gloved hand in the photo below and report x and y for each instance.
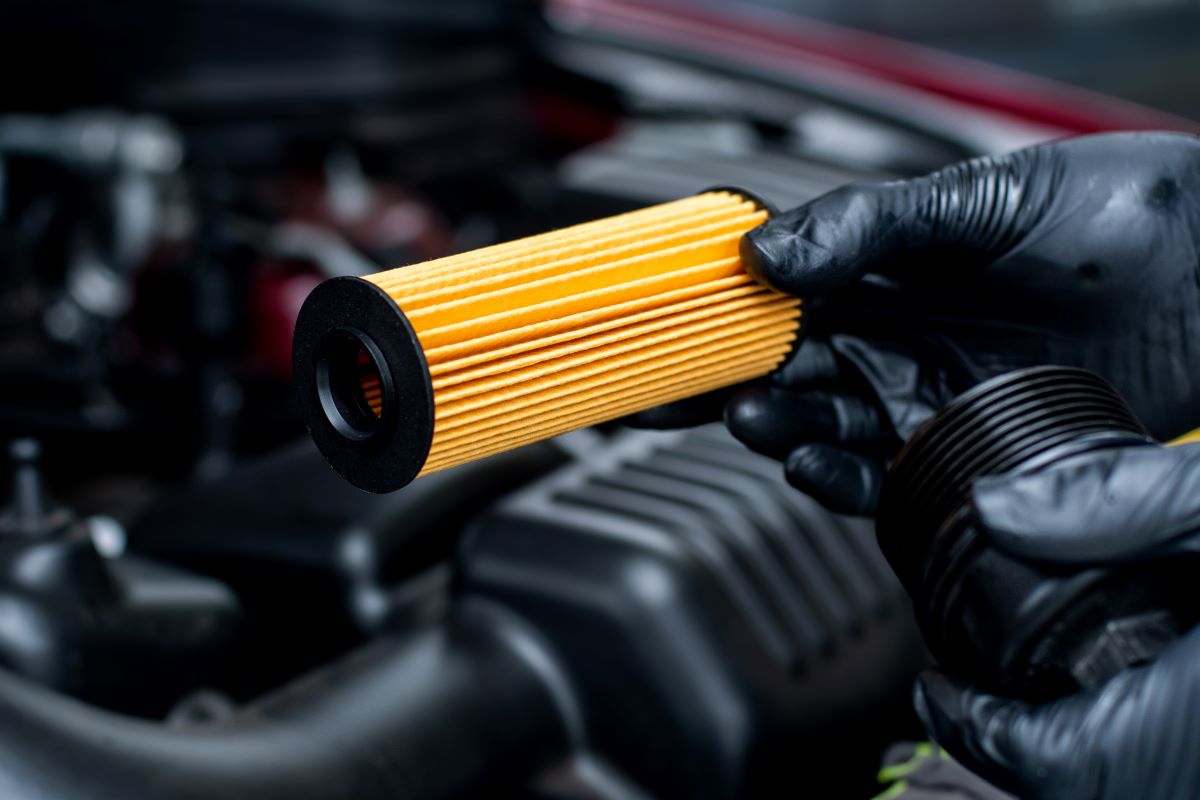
(1137, 735)
(1083, 252)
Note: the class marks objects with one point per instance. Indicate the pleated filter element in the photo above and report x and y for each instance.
(424, 367)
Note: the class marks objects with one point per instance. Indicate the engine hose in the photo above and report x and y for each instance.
(472, 709)
(417, 369)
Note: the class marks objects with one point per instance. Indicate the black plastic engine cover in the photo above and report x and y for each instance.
(723, 631)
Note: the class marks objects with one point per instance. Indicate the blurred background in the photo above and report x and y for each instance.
(1140, 50)
(174, 179)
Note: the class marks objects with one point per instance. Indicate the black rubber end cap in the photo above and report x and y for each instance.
(349, 330)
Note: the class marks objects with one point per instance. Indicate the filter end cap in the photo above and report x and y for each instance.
(363, 384)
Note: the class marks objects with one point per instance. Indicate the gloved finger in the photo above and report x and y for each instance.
(1134, 736)
(900, 381)
(843, 482)
(813, 362)
(976, 209)
(773, 421)
(1087, 510)
(686, 413)
(999, 739)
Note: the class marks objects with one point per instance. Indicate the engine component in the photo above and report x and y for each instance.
(317, 565)
(518, 342)
(1031, 629)
(118, 631)
(726, 632)
(469, 709)
(667, 618)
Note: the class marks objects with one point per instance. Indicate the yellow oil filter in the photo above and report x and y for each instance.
(420, 368)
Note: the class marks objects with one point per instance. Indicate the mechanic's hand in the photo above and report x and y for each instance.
(1083, 252)
(1138, 734)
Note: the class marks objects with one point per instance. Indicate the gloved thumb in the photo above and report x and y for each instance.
(1126, 504)
(975, 210)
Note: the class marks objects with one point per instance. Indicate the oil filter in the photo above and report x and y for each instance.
(1034, 630)
(417, 369)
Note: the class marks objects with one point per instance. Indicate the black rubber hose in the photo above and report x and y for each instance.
(471, 709)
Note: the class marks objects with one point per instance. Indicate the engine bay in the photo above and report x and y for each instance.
(192, 604)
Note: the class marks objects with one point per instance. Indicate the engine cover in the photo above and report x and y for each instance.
(723, 631)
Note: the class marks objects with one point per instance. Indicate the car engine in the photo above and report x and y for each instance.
(193, 605)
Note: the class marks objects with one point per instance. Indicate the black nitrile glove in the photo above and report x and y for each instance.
(1083, 252)
(1138, 735)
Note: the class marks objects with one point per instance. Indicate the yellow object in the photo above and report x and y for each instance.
(529, 339)
(1188, 438)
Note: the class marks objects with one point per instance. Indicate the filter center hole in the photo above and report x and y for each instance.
(351, 383)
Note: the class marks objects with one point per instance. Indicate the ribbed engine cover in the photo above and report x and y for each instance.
(704, 605)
